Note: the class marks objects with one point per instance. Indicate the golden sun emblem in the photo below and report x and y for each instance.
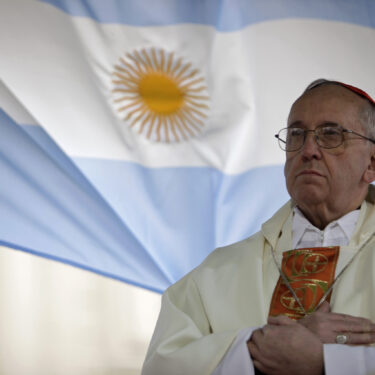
(159, 95)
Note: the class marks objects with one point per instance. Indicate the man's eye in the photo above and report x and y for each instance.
(295, 132)
(330, 131)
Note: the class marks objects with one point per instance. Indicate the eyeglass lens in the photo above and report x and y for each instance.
(292, 139)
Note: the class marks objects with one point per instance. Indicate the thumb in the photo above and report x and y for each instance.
(324, 307)
(280, 320)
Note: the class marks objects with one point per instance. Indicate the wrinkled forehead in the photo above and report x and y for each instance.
(329, 102)
(354, 89)
(330, 92)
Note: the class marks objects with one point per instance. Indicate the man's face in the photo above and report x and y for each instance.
(334, 179)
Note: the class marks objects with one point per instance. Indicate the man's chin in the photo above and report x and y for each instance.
(310, 196)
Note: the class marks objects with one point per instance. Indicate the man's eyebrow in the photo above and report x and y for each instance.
(296, 124)
(330, 123)
(300, 124)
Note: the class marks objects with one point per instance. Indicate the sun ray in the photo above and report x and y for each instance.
(144, 121)
(188, 113)
(125, 78)
(181, 119)
(127, 83)
(158, 128)
(161, 96)
(152, 125)
(196, 120)
(130, 78)
(139, 58)
(173, 128)
(155, 60)
(116, 82)
(154, 117)
(192, 83)
(201, 114)
(182, 71)
(187, 76)
(135, 120)
(179, 127)
(201, 97)
(176, 67)
(134, 111)
(125, 90)
(164, 128)
(187, 119)
(121, 69)
(136, 102)
(197, 89)
(132, 91)
(196, 104)
(148, 60)
(122, 98)
(130, 67)
(169, 64)
(136, 62)
(162, 60)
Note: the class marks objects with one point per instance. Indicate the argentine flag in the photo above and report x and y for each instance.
(138, 136)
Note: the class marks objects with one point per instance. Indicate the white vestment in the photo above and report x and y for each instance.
(207, 311)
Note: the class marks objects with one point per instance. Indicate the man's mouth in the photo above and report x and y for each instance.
(312, 172)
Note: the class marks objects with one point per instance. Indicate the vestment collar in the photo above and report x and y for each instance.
(272, 229)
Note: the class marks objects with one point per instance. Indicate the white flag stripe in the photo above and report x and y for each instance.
(14, 108)
(263, 84)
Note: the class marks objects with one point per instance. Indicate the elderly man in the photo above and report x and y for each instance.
(259, 307)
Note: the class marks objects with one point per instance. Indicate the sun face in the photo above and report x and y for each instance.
(160, 96)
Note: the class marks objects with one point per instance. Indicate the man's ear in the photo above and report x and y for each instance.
(369, 175)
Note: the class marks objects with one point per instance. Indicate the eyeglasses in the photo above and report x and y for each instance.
(326, 136)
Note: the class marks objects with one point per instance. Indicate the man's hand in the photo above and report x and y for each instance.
(286, 348)
(327, 325)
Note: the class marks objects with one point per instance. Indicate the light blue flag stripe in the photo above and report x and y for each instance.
(44, 210)
(224, 15)
(61, 160)
(181, 214)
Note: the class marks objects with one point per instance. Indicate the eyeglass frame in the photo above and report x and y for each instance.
(305, 131)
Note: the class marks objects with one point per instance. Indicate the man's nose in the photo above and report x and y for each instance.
(311, 149)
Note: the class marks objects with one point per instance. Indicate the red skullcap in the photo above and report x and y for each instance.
(357, 91)
(354, 89)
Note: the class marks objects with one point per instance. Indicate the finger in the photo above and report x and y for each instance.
(347, 322)
(265, 328)
(260, 361)
(349, 318)
(270, 329)
(256, 336)
(324, 307)
(254, 350)
(349, 326)
(281, 320)
(259, 365)
(360, 338)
